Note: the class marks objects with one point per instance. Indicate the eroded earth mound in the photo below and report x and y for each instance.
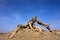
(32, 34)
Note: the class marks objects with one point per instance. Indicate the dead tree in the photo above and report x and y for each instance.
(33, 20)
(47, 26)
(16, 30)
(30, 23)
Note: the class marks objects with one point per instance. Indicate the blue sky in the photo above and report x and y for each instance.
(14, 12)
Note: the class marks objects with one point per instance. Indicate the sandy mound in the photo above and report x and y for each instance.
(28, 34)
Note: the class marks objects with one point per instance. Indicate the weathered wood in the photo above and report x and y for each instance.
(40, 30)
(15, 31)
(47, 26)
(31, 22)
